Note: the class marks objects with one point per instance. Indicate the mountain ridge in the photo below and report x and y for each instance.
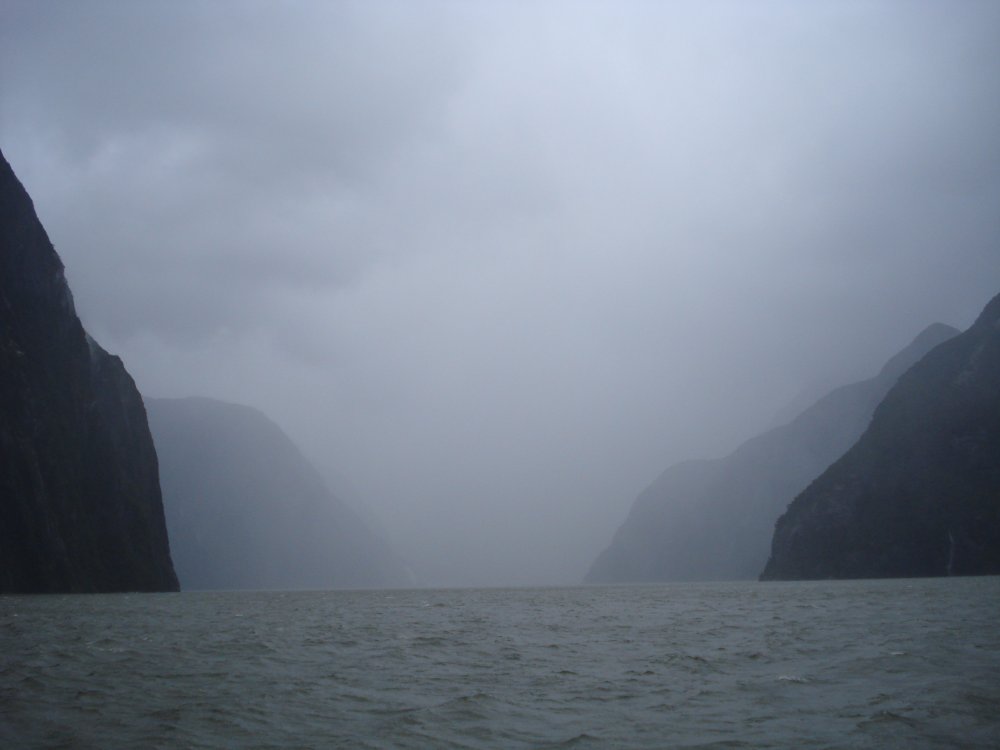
(919, 493)
(712, 519)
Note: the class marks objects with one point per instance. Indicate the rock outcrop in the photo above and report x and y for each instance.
(714, 519)
(919, 493)
(246, 510)
(80, 506)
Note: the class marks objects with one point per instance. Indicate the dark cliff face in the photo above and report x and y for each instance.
(714, 519)
(919, 493)
(80, 507)
(246, 510)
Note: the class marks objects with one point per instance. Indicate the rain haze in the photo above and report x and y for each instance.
(494, 266)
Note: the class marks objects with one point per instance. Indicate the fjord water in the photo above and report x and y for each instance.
(866, 664)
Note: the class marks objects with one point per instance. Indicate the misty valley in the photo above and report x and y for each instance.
(896, 476)
(485, 375)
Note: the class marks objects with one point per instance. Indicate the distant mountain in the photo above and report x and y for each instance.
(246, 510)
(713, 519)
(919, 493)
(80, 507)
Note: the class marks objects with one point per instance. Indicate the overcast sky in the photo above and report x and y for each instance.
(495, 265)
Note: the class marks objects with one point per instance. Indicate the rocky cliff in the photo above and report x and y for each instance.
(919, 493)
(714, 519)
(246, 510)
(80, 506)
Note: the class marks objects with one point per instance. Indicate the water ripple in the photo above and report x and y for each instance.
(862, 664)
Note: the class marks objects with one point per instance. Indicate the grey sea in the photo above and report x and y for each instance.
(862, 664)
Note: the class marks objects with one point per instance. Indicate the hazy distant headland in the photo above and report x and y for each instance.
(714, 519)
(80, 506)
(246, 510)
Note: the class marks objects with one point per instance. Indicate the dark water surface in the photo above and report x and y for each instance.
(862, 664)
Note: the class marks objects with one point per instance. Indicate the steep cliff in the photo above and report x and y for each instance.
(919, 493)
(246, 510)
(713, 519)
(80, 506)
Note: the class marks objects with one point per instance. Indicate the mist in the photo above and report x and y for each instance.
(494, 266)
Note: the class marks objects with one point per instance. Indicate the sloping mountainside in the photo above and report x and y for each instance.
(246, 510)
(80, 507)
(919, 493)
(713, 519)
